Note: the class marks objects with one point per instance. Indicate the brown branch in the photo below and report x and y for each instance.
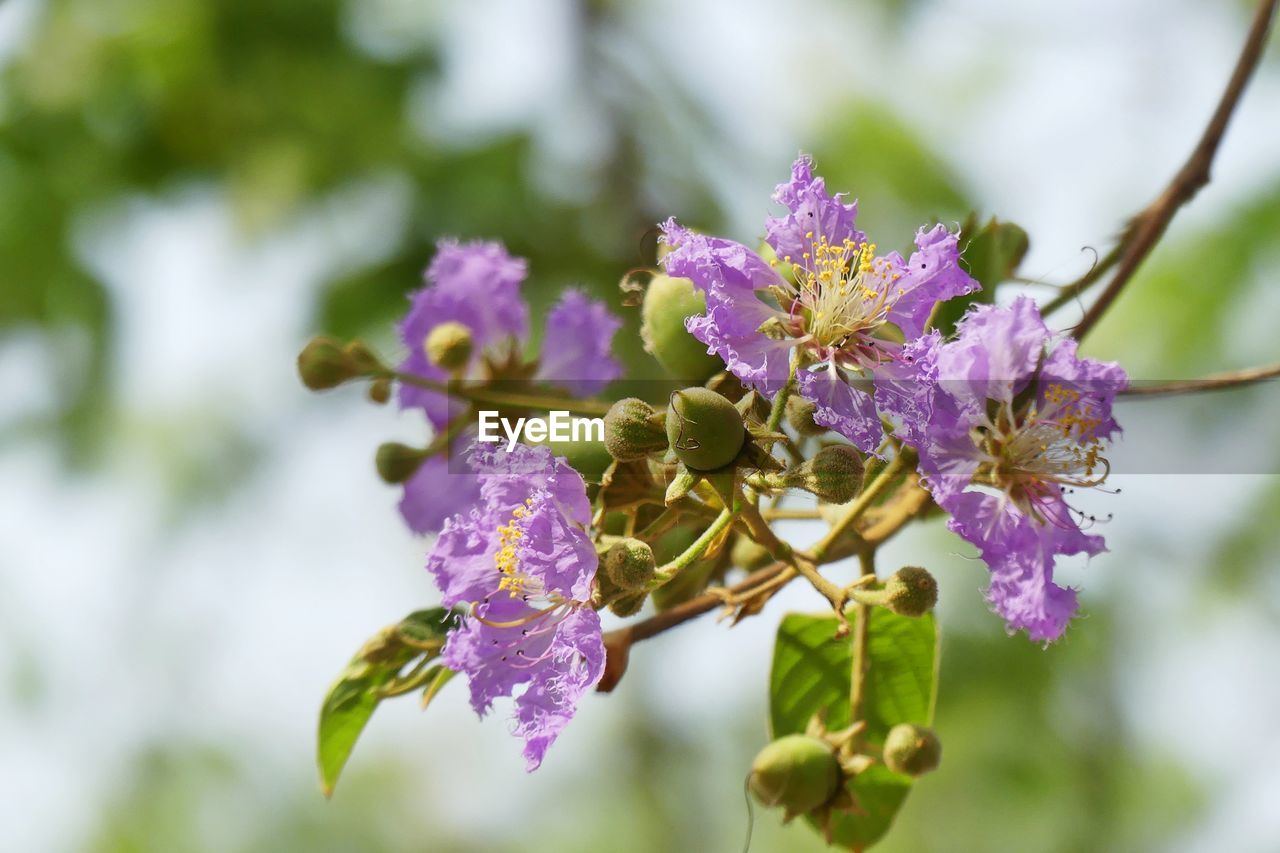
(1217, 382)
(1149, 225)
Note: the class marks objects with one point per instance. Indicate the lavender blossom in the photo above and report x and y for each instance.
(834, 304)
(1013, 424)
(521, 559)
(478, 285)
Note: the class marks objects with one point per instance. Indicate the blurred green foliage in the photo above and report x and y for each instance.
(274, 105)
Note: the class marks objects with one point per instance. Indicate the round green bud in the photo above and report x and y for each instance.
(632, 430)
(380, 390)
(798, 772)
(398, 462)
(910, 591)
(834, 474)
(800, 415)
(667, 303)
(448, 346)
(323, 364)
(629, 564)
(704, 429)
(749, 554)
(911, 750)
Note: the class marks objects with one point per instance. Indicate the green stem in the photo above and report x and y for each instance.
(779, 407)
(544, 403)
(783, 552)
(666, 572)
(861, 631)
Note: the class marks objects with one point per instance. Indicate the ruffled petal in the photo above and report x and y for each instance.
(932, 275)
(839, 405)
(812, 214)
(439, 488)
(576, 348)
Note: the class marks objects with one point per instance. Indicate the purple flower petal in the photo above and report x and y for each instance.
(933, 274)
(730, 329)
(477, 285)
(576, 346)
(715, 265)
(839, 405)
(522, 560)
(811, 211)
(438, 489)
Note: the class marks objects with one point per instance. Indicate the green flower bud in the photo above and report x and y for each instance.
(380, 390)
(398, 462)
(800, 416)
(911, 750)
(361, 358)
(323, 364)
(834, 474)
(629, 564)
(667, 303)
(749, 554)
(910, 591)
(704, 429)
(632, 430)
(798, 772)
(448, 346)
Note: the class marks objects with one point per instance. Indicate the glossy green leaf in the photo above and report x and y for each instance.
(376, 668)
(810, 675)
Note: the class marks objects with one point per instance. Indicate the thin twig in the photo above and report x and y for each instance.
(1217, 382)
(1149, 225)
(862, 616)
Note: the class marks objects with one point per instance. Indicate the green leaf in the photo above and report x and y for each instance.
(811, 674)
(375, 669)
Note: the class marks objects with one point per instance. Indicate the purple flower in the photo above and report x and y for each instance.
(478, 285)
(520, 558)
(1011, 425)
(575, 348)
(834, 303)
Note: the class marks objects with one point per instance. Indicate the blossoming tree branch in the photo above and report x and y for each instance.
(894, 388)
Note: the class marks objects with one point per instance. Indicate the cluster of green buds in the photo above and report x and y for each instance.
(815, 773)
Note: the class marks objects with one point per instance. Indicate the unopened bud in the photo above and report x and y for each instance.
(704, 429)
(629, 564)
(834, 474)
(910, 591)
(380, 390)
(448, 346)
(396, 462)
(324, 363)
(800, 415)
(668, 302)
(798, 772)
(911, 749)
(632, 430)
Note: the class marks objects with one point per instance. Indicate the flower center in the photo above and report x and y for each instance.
(1052, 446)
(840, 293)
(514, 581)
